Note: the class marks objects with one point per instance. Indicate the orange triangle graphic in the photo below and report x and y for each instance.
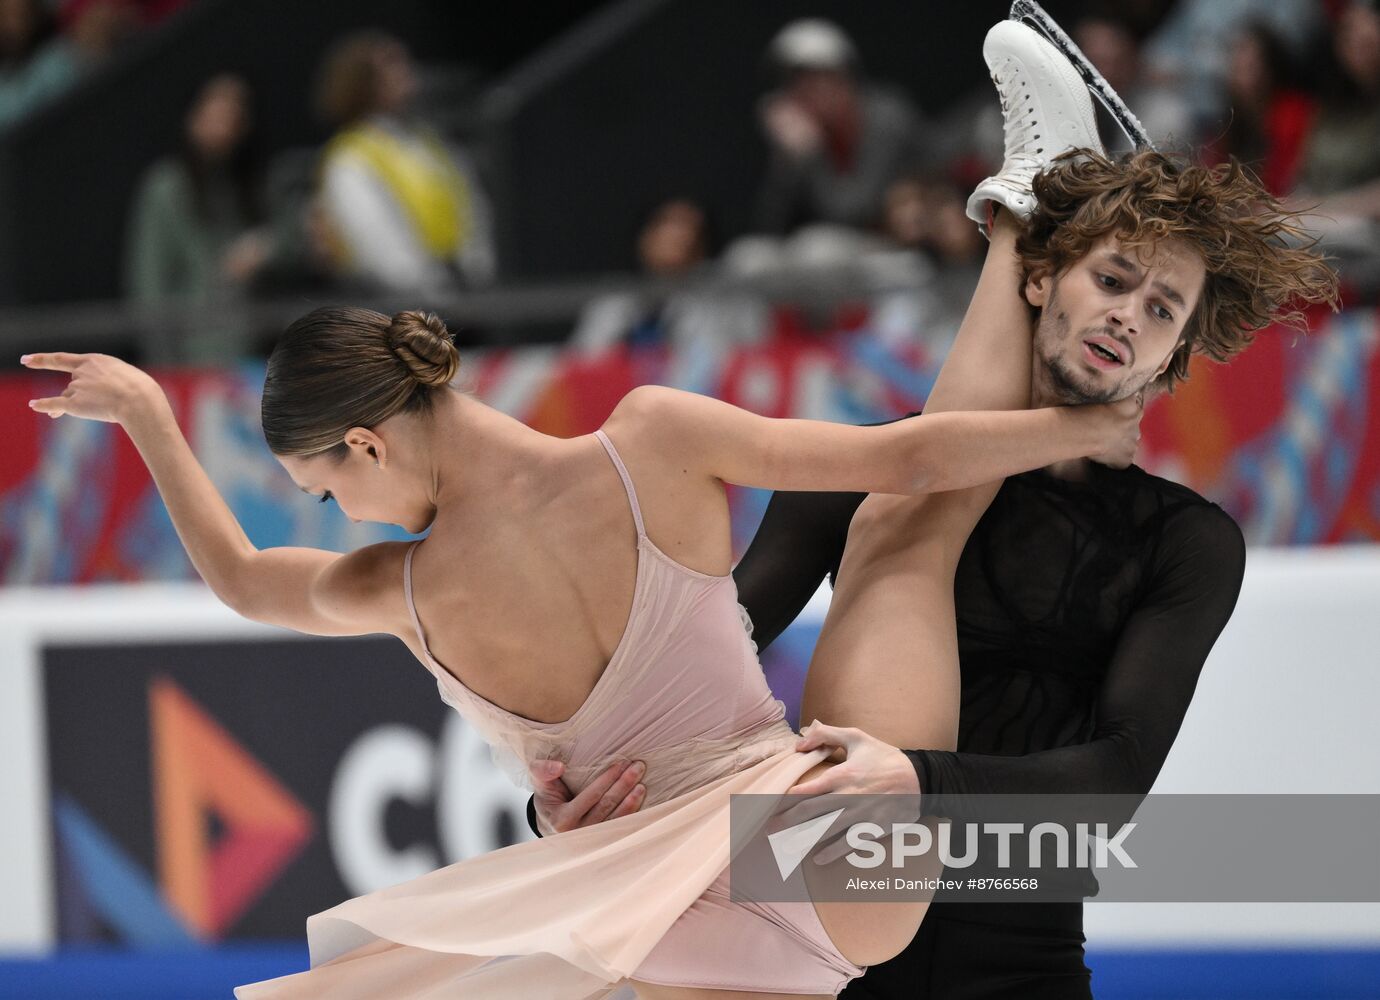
(198, 768)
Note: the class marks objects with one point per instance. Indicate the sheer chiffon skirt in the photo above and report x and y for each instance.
(571, 916)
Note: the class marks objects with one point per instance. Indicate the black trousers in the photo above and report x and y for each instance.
(986, 951)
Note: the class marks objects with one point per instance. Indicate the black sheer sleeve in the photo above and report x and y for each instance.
(798, 543)
(1148, 684)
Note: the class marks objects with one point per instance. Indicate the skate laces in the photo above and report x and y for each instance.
(1023, 159)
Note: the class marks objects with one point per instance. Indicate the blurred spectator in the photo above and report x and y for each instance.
(304, 248)
(148, 12)
(1340, 172)
(836, 142)
(925, 215)
(1113, 47)
(32, 66)
(913, 274)
(36, 63)
(673, 243)
(1269, 115)
(406, 209)
(1343, 150)
(196, 235)
(98, 26)
(927, 264)
(1190, 49)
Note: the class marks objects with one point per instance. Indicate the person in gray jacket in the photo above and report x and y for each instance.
(837, 142)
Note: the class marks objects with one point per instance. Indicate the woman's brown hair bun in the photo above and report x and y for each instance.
(421, 341)
(340, 367)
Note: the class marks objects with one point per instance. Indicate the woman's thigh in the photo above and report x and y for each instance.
(887, 657)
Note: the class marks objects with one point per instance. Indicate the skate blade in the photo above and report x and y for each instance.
(1036, 17)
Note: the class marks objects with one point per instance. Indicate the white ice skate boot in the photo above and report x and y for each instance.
(1034, 15)
(1046, 110)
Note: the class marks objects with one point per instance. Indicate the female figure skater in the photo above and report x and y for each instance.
(617, 544)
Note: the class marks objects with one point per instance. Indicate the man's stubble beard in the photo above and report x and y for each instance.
(1060, 380)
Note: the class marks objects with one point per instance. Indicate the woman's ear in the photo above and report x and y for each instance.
(1037, 289)
(367, 442)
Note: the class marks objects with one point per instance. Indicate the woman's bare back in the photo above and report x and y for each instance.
(524, 592)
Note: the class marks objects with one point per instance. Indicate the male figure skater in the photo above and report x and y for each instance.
(1087, 597)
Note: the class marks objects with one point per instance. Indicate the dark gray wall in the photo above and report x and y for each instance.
(669, 109)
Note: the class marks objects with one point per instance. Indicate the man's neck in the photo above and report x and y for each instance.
(1075, 470)
(1043, 393)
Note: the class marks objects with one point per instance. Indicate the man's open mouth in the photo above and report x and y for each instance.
(1103, 353)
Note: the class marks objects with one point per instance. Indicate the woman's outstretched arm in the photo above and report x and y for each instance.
(309, 590)
(928, 454)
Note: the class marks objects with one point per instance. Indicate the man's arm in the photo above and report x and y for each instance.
(1149, 681)
(799, 542)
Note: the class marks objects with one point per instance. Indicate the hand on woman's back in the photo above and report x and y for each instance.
(616, 792)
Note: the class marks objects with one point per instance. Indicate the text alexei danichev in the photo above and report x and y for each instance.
(928, 884)
(935, 884)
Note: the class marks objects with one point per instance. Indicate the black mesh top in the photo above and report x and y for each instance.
(1085, 612)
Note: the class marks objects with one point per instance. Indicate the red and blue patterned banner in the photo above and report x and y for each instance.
(1286, 438)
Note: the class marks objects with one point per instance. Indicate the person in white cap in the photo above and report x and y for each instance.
(836, 142)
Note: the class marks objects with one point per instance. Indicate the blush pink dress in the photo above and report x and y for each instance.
(644, 896)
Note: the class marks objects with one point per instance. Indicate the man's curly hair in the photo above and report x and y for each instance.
(1262, 264)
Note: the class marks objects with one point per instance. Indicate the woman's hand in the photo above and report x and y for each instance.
(101, 387)
(1121, 431)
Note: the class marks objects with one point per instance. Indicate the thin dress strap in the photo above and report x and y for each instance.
(627, 481)
(407, 592)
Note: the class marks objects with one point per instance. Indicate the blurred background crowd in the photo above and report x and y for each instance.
(609, 179)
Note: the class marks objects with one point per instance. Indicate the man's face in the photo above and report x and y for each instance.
(1110, 323)
(825, 94)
